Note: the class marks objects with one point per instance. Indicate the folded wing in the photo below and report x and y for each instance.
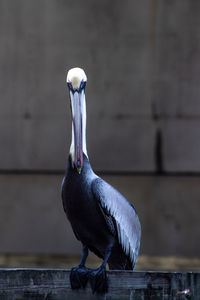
(127, 222)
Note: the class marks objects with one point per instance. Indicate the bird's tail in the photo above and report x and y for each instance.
(118, 260)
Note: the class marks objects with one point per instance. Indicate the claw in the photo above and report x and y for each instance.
(79, 277)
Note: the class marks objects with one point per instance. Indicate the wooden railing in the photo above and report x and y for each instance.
(53, 284)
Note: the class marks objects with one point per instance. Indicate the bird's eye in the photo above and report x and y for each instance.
(70, 86)
(82, 85)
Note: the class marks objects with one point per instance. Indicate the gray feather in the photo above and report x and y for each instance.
(126, 219)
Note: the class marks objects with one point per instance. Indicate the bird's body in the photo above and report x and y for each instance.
(101, 218)
(79, 204)
(91, 222)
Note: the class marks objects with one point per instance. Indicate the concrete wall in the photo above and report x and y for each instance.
(33, 221)
(142, 62)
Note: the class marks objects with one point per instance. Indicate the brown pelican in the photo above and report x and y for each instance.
(101, 218)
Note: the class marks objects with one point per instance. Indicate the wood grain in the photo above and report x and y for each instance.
(54, 284)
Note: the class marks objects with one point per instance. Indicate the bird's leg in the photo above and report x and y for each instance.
(98, 278)
(84, 256)
(79, 274)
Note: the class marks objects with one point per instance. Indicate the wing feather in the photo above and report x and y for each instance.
(127, 222)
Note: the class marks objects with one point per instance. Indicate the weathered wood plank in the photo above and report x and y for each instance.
(53, 284)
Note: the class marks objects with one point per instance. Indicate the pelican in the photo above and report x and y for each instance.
(101, 218)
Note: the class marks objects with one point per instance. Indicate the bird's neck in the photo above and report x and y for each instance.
(83, 132)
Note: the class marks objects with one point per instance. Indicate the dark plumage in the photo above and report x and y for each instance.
(101, 218)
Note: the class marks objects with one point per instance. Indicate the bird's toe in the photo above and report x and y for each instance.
(99, 280)
(79, 277)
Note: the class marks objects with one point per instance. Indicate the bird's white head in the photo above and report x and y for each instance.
(76, 81)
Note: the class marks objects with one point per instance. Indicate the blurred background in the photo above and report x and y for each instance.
(142, 60)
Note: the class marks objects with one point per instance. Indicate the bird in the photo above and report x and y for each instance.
(101, 218)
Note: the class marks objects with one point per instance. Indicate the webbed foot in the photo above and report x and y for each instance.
(99, 280)
(79, 277)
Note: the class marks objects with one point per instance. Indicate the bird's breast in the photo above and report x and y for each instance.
(83, 211)
(77, 195)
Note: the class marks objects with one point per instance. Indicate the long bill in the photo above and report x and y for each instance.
(77, 129)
